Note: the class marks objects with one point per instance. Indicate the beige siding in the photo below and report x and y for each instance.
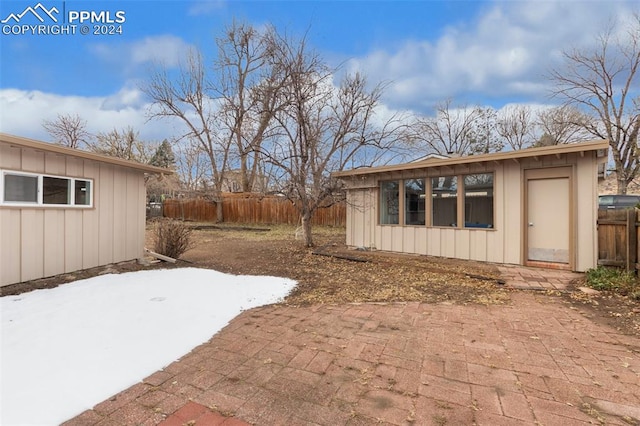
(37, 242)
(53, 243)
(91, 220)
(32, 244)
(503, 243)
(509, 217)
(10, 251)
(586, 213)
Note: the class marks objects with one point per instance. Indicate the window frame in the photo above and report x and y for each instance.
(465, 221)
(460, 201)
(456, 223)
(39, 202)
(422, 196)
(399, 204)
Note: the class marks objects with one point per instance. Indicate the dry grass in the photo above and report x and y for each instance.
(383, 277)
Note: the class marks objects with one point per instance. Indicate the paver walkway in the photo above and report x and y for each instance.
(532, 362)
(524, 278)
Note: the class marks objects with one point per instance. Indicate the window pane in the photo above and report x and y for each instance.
(478, 201)
(55, 190)
(389, 203)
(83, 192)
(444, 195)
(19, 188)
(414, 202)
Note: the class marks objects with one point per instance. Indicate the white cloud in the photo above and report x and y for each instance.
(167, 50)
(24, 112)
(505, 52)
(206, 7)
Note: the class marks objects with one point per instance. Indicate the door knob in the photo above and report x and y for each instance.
(530, 223)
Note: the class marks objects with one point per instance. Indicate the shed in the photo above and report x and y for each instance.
(534, 207)
(64, 210)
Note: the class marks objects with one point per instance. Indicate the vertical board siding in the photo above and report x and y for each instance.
(32, 244)
(462, 244)
(32, 161)
(106, 208)
(53, 248)
(91, 220)
(118, 229)
(586, 213)
(10, 251)
(73, 226)
(40, 242)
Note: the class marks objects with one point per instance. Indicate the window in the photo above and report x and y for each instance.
(55, 190)
(414, 198)
(478, 201)
(83, 192)
(19, 188)
(444, 196)
(390, 203)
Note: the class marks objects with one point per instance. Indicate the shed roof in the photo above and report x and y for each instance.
(482, 158)
(22, 142)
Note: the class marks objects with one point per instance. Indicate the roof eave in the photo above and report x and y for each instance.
(62, 150)
(498, 156)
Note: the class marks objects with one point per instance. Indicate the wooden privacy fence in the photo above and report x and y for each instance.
(251, 209)
(618, 238)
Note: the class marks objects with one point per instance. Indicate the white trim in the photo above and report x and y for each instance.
(39, 197)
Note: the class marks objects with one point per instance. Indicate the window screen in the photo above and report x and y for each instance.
(20, 188)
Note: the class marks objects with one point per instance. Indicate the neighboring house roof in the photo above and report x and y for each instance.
(432, 156)
(58, 149)
(498, 156)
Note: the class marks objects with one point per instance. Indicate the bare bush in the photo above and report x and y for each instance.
(172, 238)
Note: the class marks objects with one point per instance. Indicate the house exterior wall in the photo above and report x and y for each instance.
(504, 243)
(37, 242)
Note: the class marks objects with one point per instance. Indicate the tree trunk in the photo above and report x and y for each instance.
(306, 229)
(622, 184)
(219, 218)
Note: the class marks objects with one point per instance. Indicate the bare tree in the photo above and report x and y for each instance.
(321, 130)
(483, 138)
(559, 125)
(124, 144)
(602, 82)
(68, 130)
(249, 86)
(515, 125)
(450, 131)
(188, 98)
(191, 166)
(228, 112)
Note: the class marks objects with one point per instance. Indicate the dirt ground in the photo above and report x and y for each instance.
(331, 273)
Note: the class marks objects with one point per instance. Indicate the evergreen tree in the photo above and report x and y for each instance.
(164, 157)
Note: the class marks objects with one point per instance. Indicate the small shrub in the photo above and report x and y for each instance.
(173, 238)
(614, 279)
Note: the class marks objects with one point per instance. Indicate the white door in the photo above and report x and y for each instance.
(548, 210)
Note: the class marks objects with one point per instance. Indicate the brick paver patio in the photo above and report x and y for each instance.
(524, 278)
(533, 362)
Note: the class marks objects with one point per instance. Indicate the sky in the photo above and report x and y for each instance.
(88, 330)
(487, 53)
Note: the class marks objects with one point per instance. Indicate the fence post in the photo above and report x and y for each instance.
(632, 242)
